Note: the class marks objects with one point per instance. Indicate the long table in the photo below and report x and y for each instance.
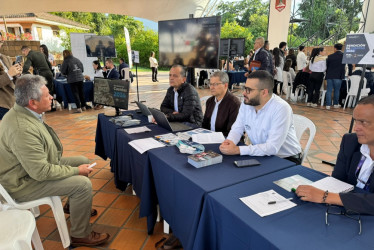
(227, 223)
(181, 188)
(64, 93)
(106, 142)
(236, 77)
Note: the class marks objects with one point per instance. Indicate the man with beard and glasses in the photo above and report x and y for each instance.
(267, 120)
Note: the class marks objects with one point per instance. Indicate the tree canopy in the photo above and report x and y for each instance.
(326, 19)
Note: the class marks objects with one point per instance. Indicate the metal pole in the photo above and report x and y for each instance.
(361, 85)
(137, 83)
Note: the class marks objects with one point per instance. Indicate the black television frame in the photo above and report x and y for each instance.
(235, 43)
(117, 90)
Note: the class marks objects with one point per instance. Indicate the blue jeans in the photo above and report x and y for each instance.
(333, 84)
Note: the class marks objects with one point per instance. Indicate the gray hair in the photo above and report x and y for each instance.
(261, 39)
(28, 87)
(183, 69)
(223, 76)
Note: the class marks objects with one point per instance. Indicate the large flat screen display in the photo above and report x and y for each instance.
(110, 92)
(190, 42)
(237, 46)
(100, 46)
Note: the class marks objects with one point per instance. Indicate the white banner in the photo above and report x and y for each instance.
(128, 45)
(279, 20)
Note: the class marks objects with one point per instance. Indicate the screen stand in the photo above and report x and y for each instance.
(137, 87)
(118, 112)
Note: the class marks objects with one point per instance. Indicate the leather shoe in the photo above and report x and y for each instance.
(67, 210)
(93, 239)
(172, 243)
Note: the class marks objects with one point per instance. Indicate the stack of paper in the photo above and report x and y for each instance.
(291, 182)
(333, 185)
(208, 138)
(137, 130)
(187, 135)
(259, 203)
(143, 145)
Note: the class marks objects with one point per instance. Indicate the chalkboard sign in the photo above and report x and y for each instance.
(110, 92)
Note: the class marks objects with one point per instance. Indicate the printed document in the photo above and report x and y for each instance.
(259, 203)
(137, 130)
(292, 182)
(333, 185)
(143, 145)
(208, 138)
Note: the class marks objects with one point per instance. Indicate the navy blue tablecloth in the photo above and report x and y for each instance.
(63, 91)
(227, 223)
(106, 134)
(181, 188)
(236, 77)
(129, 163)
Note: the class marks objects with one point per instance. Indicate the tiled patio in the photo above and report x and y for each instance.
(118, 212)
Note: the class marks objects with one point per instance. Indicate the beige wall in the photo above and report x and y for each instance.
(13, 48)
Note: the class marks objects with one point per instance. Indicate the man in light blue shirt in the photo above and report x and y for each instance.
(267, 120)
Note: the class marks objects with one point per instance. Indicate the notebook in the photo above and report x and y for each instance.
(333, 185)
(254, 65)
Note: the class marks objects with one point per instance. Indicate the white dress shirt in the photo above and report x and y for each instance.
(270, 130)
(176, 100)
(214, 115)
(367, 166)
(317, 66)
(301, 60)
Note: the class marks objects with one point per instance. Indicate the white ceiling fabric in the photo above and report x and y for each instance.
(154, 10)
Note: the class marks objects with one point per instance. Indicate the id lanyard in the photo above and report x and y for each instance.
(359, 166)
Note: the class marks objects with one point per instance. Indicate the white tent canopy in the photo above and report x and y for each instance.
(154, 10)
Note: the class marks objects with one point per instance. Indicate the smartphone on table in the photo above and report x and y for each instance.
(247, 163)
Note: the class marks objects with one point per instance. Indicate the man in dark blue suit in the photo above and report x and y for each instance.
(109, 71)
(334, 75)
(262, 56)
(354, 165)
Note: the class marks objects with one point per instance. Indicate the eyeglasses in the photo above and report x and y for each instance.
(337, 210)
(249, 90)
(215, 84)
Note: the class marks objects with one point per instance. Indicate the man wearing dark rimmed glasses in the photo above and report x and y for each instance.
(223, 107)
(267, 119)
(355, 165)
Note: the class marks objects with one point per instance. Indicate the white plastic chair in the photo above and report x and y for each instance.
(203, 101)
(126, 73)
(53, 201)
(287, 83)
(352, 92)
(301, 124)
(18, 230)
(322, 93)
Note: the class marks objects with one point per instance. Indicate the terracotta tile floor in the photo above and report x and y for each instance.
(118, 212)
